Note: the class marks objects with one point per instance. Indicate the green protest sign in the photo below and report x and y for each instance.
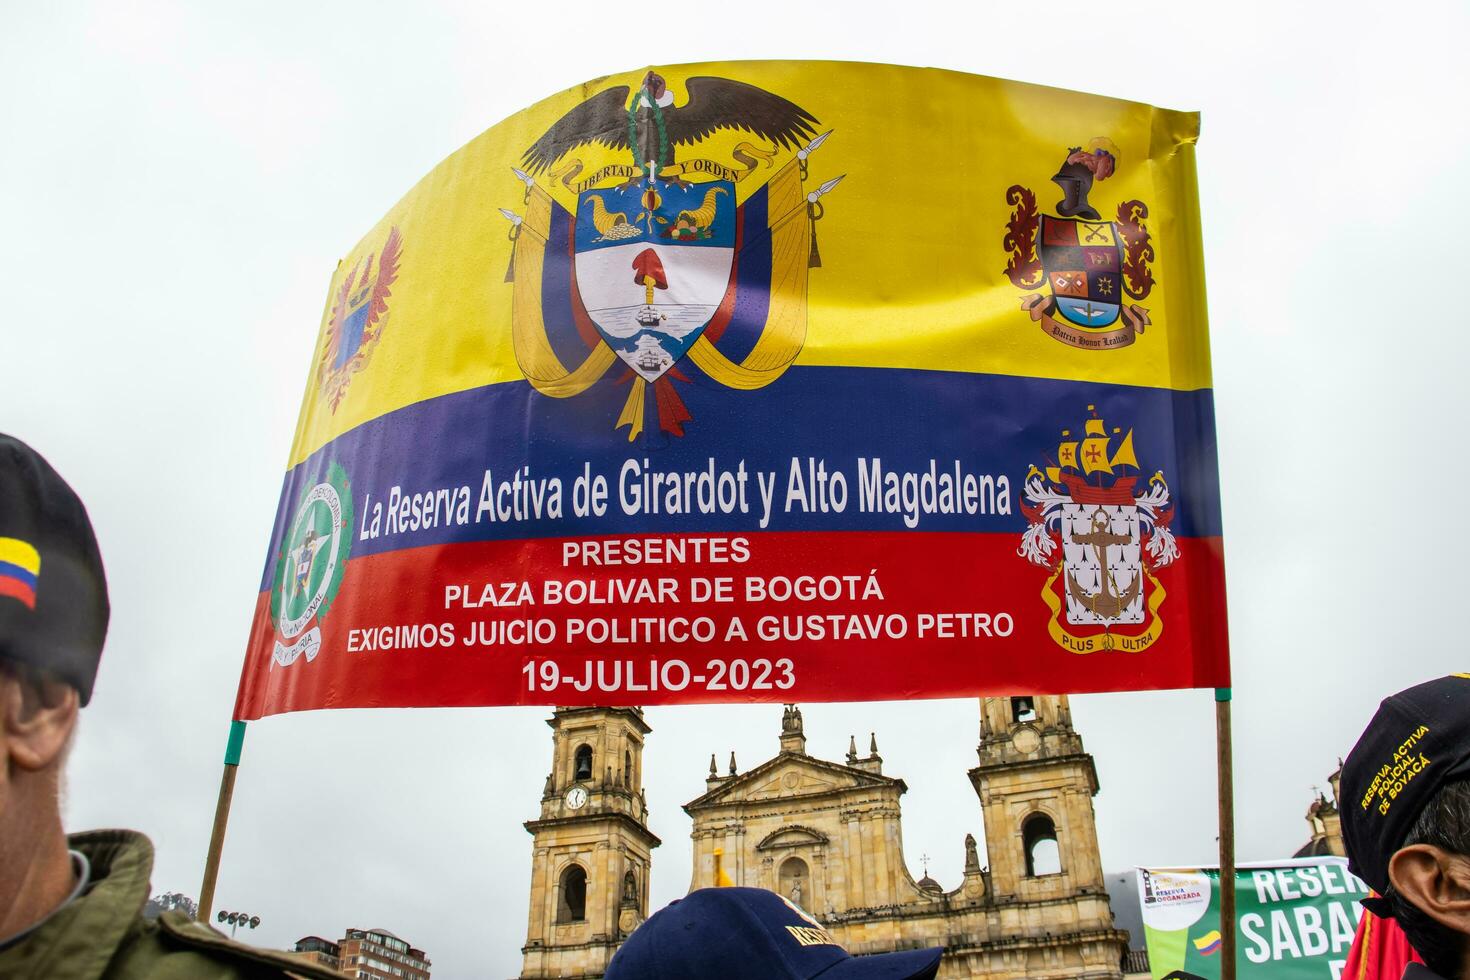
(1295, 920)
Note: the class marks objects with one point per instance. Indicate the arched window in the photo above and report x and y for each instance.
(795, 882)
(1023, 709)
(1039, 840)
(571, 903)
(627, 768)
(582, 766)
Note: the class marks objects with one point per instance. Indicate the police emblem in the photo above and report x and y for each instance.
(310, 566)
(1092, 267)
(357, 319)
(680, 268)
(1102, 537)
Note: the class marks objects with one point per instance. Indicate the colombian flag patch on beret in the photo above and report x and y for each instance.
(20, 567)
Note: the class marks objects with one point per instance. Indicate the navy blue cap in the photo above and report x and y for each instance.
(53, 592)
(751, 934)
(1418, 740)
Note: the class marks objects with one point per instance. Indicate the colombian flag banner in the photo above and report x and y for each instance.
(761, 381)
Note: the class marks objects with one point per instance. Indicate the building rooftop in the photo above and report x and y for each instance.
(1320, 847)
(411, 950)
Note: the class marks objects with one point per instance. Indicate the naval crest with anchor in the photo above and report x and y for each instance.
(1102, 537)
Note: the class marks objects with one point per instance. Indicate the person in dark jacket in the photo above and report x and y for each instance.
(71, 907)
(1406, 821)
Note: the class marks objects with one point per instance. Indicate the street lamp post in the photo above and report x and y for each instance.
(237, 919)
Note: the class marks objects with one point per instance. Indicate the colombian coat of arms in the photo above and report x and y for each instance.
(1103, 537)
(671, 266)
(358, 316)
(1088, 267)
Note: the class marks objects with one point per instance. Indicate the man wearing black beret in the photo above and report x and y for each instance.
(1406, 820)
(71, 906)
(752, 934)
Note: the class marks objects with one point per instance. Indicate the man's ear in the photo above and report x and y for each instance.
(36, 719)
(1436, 881)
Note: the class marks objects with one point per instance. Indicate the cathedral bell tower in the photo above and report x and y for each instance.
(1036, 785)
(591, 849)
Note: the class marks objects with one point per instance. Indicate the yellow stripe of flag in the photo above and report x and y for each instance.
(912, 270)
(20, 553)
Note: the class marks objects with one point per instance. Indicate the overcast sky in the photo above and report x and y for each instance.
(177, 183)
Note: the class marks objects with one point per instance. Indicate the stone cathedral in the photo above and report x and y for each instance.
(828, 836)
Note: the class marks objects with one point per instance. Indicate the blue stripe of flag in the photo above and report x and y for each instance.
(16, 572)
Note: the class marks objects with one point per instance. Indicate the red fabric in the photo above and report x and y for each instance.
(981, 574)
(672, 414)
(1120, 491)
(1379, 952)
(717, 324)
(15, 588)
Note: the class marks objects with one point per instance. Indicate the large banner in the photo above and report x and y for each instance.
(1295, 920)
(764, 381)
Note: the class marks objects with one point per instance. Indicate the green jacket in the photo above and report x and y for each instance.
(102, 934)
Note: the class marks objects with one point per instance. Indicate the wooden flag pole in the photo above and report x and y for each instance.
(1226, 772)
(221, 818)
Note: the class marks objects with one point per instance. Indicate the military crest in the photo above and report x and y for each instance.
(663, 266)
(358, 316)
(1102, 537)
(310, 566)
(1081, 271)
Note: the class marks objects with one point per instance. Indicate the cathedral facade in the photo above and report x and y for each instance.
(828, 836)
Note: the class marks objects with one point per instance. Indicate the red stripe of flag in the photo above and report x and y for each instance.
(17, 589)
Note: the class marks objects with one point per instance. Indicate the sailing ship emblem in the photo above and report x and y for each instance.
(1102, 537)
(1089, 266)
